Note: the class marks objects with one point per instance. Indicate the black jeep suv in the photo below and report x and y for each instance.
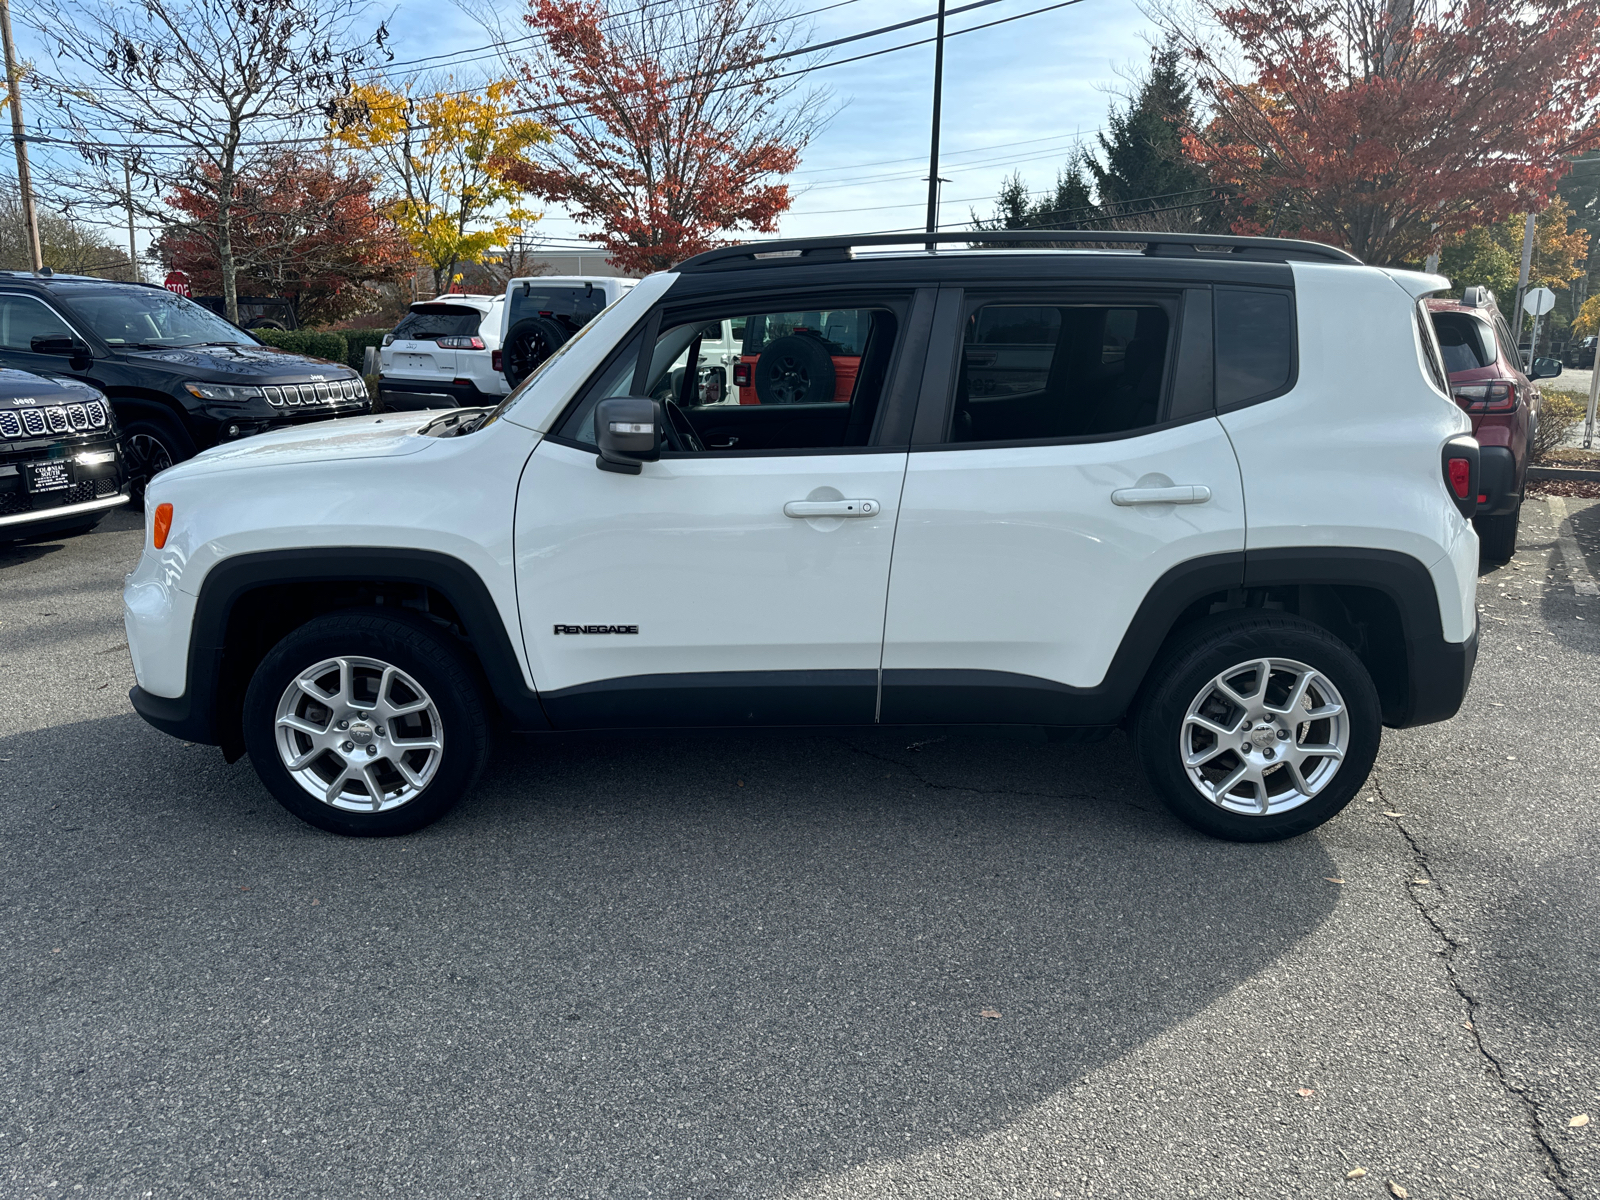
(60, 467)
(179, 377)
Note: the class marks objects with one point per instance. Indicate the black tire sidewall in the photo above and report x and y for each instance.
(177, 443)
(1211, 649)
(811, 353)
(417, 649)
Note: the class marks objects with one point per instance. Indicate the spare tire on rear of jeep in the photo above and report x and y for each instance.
(795, 369)
(530, 342)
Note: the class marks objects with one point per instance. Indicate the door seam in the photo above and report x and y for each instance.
(888, 585)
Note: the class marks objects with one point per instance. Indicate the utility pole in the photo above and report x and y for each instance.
(933, 156)
(30, 215)
(127, 195)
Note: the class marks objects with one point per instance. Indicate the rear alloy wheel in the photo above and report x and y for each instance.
(1259, 727)
(366, 724)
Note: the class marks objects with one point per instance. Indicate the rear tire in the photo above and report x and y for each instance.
(1277, 789)
(366, 724)
(795, 369)
(1497, 536)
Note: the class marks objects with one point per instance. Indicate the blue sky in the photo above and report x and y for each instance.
(1015, 97)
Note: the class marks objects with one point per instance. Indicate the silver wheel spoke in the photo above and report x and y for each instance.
(336, 788)
(306, 759)
(402, 710)
(1235, 777)
(405, 744)
(1301, 783)
(1318, 714)
(410, 776)
(1208, 724)
(1296, 698)
(304, 726)
(374, 788)
(1198, 758)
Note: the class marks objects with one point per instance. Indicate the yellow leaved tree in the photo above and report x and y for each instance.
(444, 152)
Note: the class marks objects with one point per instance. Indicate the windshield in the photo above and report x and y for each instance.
(137, 316)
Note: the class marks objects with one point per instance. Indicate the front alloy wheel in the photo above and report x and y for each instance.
(359, 734)
(367, 722)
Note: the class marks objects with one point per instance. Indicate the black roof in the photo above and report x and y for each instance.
(57, 277)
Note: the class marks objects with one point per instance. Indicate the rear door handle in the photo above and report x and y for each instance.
(832, 508)
(1188, 493)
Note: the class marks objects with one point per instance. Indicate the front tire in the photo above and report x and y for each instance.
(366, 724)
(149, 446)
(1258, 727)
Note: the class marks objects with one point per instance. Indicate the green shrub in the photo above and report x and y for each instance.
(306, 341)
(359, 339)
(1560, 413)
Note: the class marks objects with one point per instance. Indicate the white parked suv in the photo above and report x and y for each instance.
(444, 353)
(1149, 487)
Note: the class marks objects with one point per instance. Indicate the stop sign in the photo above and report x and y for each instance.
(178, 282)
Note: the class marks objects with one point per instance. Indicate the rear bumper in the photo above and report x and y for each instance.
(398, 395)
(1441, 673)
(1498, 481)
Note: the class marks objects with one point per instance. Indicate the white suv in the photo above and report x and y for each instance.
(444, 354)
(1209, 489)
(542, 311)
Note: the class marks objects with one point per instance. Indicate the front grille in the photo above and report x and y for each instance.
(41, 422)
(18, 501)
(296, 395)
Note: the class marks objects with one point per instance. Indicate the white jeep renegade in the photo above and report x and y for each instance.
(1211, 489)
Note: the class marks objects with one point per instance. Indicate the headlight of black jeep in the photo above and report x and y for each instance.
(228, 393)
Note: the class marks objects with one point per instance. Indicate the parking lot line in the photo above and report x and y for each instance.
(1583, 579)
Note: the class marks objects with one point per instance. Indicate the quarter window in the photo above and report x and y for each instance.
(1032, 371)
(1255, 339)
(1466, 341)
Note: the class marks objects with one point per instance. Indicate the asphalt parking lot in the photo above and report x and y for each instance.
(756, 965)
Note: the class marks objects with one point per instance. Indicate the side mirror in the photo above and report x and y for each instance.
(627, 432)
(1545, 368)
(59, 344)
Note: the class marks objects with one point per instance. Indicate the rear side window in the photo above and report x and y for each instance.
(429, 321)
(1465, 341)
(574, 307)
(1255, 342)
(1032, 370)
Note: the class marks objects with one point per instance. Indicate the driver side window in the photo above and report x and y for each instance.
(797, 377)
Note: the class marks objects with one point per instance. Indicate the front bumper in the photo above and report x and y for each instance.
(92, 488)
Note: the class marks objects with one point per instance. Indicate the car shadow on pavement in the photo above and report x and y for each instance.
(699, 965)
(14, 554)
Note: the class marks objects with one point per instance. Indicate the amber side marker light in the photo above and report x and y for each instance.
(161, 526)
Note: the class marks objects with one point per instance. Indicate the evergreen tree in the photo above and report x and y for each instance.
(1145, 165)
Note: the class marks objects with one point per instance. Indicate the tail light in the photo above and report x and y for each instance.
(741, 374)
(459, 343)
(1460, 462)
(1497, 397)
(495, 362)
(388, 339)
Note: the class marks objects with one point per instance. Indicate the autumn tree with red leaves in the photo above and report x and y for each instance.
(672, 125)
(1385, 125)
(304, 226)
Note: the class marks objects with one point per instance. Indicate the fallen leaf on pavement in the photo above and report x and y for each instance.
(990, 1013)
(1333, 879)
(1357, 1173)
(1305, 1092)
(1579, 1121)
(1396, 1190)
(1393, 814)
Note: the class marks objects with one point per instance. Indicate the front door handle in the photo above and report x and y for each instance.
(1187, 493)
(832, 508)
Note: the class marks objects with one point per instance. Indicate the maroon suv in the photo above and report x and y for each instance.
(1488, 381)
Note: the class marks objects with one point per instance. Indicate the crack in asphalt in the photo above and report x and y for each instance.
(981, 791)
(1555, 1170)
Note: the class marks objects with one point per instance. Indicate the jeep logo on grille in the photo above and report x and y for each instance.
(596, 629)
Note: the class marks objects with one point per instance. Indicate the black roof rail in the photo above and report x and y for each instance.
(1188, 245)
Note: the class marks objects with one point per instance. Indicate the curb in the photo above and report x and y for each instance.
(1570, 473)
